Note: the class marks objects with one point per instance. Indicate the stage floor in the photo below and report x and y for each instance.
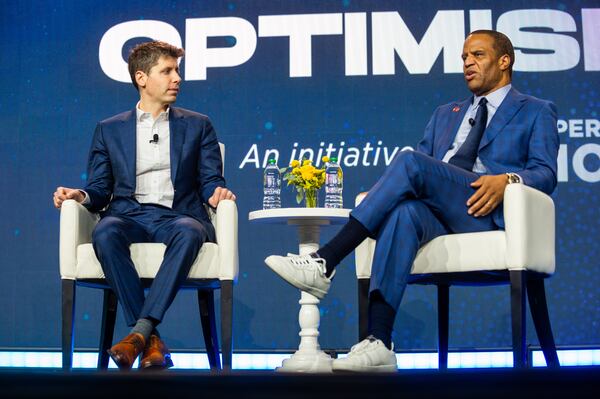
(577, 382)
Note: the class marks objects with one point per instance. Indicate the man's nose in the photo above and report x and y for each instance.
(176, 77)
(468, 61)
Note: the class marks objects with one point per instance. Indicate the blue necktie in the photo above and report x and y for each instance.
(467, 153)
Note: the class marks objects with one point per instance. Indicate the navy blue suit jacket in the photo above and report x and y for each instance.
(196, 163)
(522, 138)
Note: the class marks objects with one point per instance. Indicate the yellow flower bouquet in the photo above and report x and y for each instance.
(307, 180)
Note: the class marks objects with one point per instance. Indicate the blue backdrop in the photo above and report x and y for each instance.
(371, 76)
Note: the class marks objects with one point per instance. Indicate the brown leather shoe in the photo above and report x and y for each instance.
(125, 352)
(156, 355)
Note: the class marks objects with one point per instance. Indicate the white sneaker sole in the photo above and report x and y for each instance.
(343, 366)
(279, 268)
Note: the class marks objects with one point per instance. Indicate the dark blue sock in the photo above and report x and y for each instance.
(381, 318)
(342, 244)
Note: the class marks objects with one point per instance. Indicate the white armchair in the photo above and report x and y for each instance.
(215, 267)
(522, 255)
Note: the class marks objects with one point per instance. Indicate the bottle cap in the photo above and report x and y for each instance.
(272, 161)
(333, 159)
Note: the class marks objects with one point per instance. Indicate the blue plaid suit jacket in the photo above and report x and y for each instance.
(521, 138)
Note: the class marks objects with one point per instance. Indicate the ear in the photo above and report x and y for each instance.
(504, 62)
(140, 78)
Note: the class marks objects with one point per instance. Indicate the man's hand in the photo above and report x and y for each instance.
(489, 194)
(63, 193)
(220, 194)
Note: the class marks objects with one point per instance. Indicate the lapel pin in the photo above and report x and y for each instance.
(455, 109)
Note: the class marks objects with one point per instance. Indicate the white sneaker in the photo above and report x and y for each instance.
(370, 355)
(303, 272)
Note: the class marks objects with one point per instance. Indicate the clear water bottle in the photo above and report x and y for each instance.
(334, 184)
(271, 186)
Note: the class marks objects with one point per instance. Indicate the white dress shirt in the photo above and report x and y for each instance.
(494, 100)
(153, 183)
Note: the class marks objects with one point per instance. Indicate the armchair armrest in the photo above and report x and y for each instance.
(529, 225)
(364, 252)
(76, 226)
(225, 222)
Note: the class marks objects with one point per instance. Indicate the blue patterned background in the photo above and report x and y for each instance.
(53, 91)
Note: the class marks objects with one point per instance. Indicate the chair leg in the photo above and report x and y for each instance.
(68, 310)
(443, 325)
(227, 322)
(107, 329)
(363, 308)
(539, 312)
(518, 304)
(206, 304)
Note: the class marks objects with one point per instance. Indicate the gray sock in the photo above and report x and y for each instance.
(144, 327)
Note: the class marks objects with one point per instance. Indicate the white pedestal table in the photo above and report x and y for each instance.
(309, 357)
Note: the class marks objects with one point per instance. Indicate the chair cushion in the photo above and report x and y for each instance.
(147, 258)
(455, 253)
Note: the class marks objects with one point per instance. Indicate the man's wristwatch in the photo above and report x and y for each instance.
(513, 178)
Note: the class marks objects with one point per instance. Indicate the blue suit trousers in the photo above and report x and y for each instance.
(183, 236)
(417, 199)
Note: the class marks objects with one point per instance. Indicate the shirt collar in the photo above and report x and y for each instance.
(143, 115)
(494, 98)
